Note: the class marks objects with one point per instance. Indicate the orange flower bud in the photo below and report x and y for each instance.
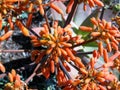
(57, 9)
(0, 21)
(52, 44)
(91, 3)
(52, 66)
(95, 34)
(101, 26)
(5, 36)
(17, 84)
(2, 68)
(66, 44)
(92, 62)
(94, 21)
(105, 55)
(78, 62)
(113, 32)
(84, 7)
(99, 3)
(100, 48)
(29, 20)
(63, 52)
(76, 82)
(13, 72)
(30, 7)
(87, 80)
(104, 22)
(108, 45)
(100, 74)
(114, 40)
(95, 53)
(114, 46)
(83, 71)
(69, 6)
(10, 77)
(100, 79)
(41, 10)
(108, 25)
(46, 28)
(17, 77)
(56, 59)
(58, 51)
(52, 37)
(84, 28)
(66, 66)
(70, 54)
(22, 28)
(46, 72)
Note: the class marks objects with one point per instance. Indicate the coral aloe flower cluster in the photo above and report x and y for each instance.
(57, 46)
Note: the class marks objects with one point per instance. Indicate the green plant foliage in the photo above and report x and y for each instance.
(116, 8)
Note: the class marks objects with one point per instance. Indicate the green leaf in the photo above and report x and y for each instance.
(92, 44)
(116, 8)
